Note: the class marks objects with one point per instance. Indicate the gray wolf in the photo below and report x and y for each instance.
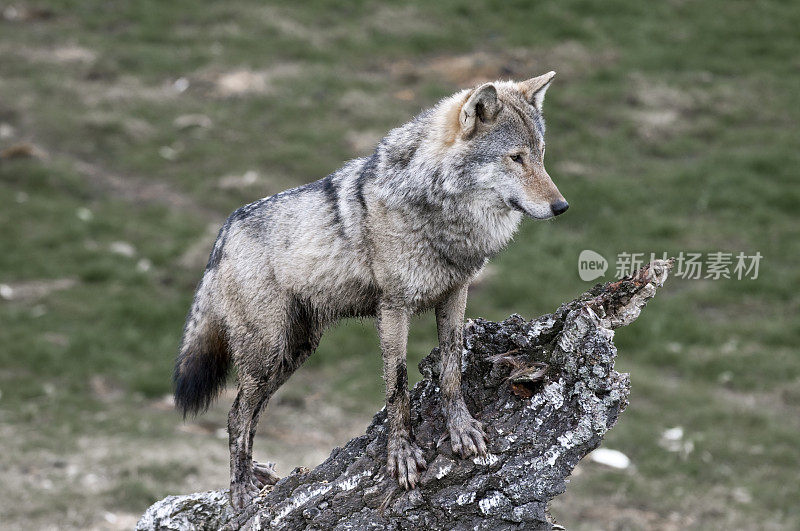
(386, 236)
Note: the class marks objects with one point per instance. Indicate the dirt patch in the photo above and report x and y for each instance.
(104, 389)
(62, 54)
(118, 89)
(189, 121)
(107, 479)
(23, 150)
(573, 167)
(569, 59)
(659, 109)
(360, 103)
(26, 13)
(242, 81)
(31, 290)
(241, 181)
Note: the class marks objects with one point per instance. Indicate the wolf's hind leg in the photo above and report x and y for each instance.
(302, 340)
(252, 393)
(263, 473)
(260, 377)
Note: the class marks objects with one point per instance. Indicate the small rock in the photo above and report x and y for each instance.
(180, 85)
(232, 182)
(673, 434)
(6, 292)
(611, 458)
(6, 131)
(672, 440)
(192, 120)
(144, 265)
(168, 152)
(84, 214)
(122, 248)
(741, 495)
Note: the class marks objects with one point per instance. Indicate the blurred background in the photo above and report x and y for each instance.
(129, 130)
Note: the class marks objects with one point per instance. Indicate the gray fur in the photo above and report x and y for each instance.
(386, 236)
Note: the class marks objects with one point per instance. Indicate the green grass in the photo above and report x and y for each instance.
(671, 127)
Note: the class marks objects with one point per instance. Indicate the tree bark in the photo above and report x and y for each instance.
(546, 392)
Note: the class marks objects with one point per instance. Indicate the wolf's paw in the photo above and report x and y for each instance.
(405, 461)
(243, 493)
(264, 473)
(467, 437)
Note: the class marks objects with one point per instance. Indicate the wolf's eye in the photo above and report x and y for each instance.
(517, 158)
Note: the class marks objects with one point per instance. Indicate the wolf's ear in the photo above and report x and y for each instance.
(535, 88)
(481, 108)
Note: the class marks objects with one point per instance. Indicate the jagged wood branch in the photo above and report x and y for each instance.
(546, 391)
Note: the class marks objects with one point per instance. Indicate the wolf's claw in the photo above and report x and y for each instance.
(405, 462)
(243, 493)
(264, 473)
(467, 437)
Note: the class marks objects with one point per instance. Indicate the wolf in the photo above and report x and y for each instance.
(386, 236)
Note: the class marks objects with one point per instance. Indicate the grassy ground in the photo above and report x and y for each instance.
(671, 127)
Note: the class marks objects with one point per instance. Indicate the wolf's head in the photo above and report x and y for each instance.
(493, 140)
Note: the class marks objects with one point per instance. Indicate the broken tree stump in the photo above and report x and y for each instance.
(546, 392)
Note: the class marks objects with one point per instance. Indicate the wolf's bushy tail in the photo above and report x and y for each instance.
(202, 363)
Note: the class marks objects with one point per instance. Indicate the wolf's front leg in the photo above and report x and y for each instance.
(466, 434)
(404, 458)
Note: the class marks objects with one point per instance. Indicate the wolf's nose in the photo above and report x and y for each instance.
(559, 207)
